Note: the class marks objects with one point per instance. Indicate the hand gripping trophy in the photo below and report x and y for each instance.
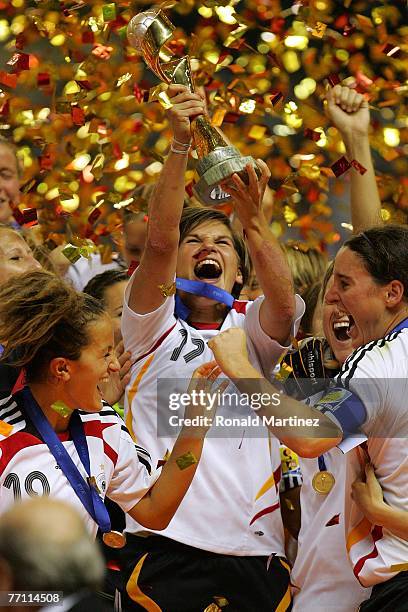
(148, 32)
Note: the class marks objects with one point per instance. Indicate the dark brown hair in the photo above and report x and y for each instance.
(98, 285)
(384, 253)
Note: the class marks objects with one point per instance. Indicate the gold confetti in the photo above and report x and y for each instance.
(284, 372)
(61, 408)
(72, 253)
(257, 132)
(218, 117)
(221, 601)
(103, 133)
(186, 460)
(399, 567)
(168, 290)
(124, 78)
(319, 29)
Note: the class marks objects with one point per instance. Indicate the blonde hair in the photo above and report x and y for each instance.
(10, 230)
(307, 264)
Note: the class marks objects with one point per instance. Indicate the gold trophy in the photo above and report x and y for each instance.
(148, 33)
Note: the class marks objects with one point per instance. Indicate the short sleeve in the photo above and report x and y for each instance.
(141, 332)
(130, 480)
(269, 351)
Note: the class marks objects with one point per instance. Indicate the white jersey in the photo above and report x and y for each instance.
(232, 506)
(81, 272)
(322, 576)
(322, 567)
(375, 381)
(28, 469)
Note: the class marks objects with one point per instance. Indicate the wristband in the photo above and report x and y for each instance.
(180, 152)
(187, 145)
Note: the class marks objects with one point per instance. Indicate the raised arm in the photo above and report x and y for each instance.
(348, 111)
(278, 309)
(158, 263)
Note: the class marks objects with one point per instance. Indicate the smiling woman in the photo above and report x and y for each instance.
(64, 339)
(367, 406)
(371, 282)
(199, 226)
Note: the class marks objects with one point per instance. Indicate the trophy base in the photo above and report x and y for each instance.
(216, 167)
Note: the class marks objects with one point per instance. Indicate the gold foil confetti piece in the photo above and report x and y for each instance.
(168, 290)
(399, 567)
(284, 372)
(186, 460)
(257, 132)
(319, 30)
(60, 408)
(71, 252)
(221, 601)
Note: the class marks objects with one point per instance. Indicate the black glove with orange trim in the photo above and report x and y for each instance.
(309, 369)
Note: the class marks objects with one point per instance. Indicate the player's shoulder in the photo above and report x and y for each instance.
(381, 357)
(11, 417)
(238, 311)
(106, 416)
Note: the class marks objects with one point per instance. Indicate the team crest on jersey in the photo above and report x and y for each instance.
(101, 482)
(333, 400)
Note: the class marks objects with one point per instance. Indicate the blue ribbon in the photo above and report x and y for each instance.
(87, 493)
(204, 290)
(322, 464)
(400, 326)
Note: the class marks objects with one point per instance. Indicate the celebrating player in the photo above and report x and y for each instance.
(370, 287)
(230, 520)
(56, 437)
(323, 489)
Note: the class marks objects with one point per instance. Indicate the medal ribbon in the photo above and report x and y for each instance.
(87, 493)
(204, 290)
(322, 463)
(400, 326)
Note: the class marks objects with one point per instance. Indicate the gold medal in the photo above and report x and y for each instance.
(323, 482)
(114, 539)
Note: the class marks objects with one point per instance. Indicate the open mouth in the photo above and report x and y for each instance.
(102, 382)
(207, 269)
(342, 328)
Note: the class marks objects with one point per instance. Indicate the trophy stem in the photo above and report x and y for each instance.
(205, 137)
